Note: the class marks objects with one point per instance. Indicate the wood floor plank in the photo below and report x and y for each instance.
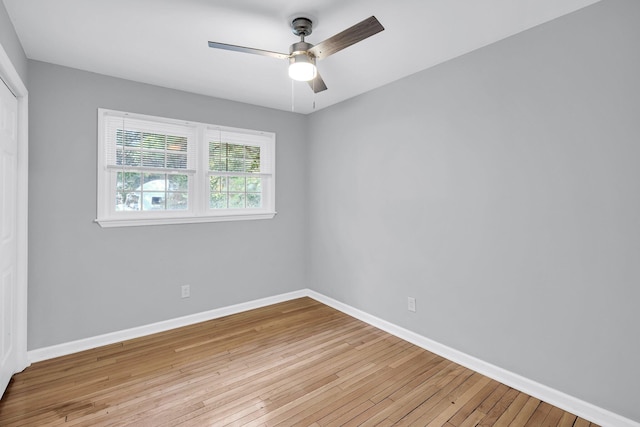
(567, 420)
(448, 412)
(473, 419)
(526, 412)
(539, 415)
(470, 407)
(438, 402)
(511, 411)
(294, 363)
(499, 408)
(553, 418)
(581, 422)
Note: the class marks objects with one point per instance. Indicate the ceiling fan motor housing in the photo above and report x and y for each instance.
(300, 47)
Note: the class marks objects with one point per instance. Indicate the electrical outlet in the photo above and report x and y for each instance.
(186, 291)
(411, 304)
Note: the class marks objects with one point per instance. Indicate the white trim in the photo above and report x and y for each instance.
(64, 349)
(554, 397)
(16, 85)
(132, 222)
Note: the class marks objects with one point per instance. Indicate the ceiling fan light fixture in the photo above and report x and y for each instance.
(302, 67)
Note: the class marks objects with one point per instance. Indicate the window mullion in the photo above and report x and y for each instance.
(200, 192)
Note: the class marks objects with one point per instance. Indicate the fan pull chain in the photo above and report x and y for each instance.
(292, 98)
(314, 93)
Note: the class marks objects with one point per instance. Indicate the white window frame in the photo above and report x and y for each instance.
(199, 210)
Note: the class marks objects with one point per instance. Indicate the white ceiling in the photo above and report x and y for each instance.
(164, 42)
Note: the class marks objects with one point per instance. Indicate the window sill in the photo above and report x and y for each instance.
(134, 222)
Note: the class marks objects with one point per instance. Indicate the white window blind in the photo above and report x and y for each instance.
(142, 145)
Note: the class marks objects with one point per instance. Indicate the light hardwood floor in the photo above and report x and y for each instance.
(298, 363)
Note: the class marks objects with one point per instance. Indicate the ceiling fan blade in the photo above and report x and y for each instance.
(236, 48)
(346, 38)
(317, 84)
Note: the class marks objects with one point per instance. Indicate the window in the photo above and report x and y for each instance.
(153, 170)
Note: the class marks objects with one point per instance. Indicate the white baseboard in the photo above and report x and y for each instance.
(554, 397)
(64, 349)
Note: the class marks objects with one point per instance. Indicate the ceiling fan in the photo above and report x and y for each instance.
(302, 55)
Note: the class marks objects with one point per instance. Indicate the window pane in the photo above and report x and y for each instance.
(235, 158)
(153, 141)
(125, 183)
(177, 201)
(151, 150)
(251, 165)
(217, 165)
(119, 138)
(177, 143)
(215, 149)
(237, 184)
(132, 201)
(131, 138)
(152, 192)
(131, 181)
(128, 158)
(225, 157)
(254, 185)
(152, 159)
(216, 162)
(235, 150)
(157, 191)
(217, 184)
(252, 159)
(236, 201)
(235, 192)
(218, 201)
(177, 161)
(154, 200)
(154, 181)
(254, 200)
(235, 165)
(178, 182)
(218, 192)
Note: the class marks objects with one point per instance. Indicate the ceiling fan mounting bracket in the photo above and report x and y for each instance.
(301, 26)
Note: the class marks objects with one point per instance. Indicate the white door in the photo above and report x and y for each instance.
(8, 234)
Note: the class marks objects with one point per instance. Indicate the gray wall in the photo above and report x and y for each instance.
(502, 191)
(11, 44)
(85, 280)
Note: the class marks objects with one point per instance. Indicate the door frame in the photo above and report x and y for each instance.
(17, 86)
